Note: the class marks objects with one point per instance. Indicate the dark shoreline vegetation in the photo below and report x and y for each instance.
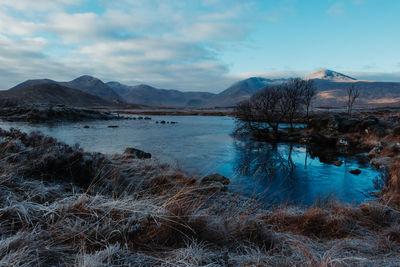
(46, 113)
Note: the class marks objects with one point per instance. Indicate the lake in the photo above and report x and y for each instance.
(203, 145)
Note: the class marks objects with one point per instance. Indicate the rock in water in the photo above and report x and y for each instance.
(214, 178)
(137, 153)
(338, 163)
(356, 171)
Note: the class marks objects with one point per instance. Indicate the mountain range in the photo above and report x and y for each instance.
(51, 93)
(89, 91)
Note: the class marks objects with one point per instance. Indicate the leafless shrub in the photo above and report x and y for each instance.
(352, 94)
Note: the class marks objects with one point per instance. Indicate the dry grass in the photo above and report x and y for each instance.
(128, 212)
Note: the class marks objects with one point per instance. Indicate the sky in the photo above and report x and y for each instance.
(197, 45)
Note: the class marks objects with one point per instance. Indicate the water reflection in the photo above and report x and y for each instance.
(294, 173)
(203, 145)
(257, 158)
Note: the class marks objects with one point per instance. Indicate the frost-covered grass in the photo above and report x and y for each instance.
(61, 206)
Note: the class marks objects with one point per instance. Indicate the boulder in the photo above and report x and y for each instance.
(349, 125)
(319, 123)
(214, 178)
(343, 142)
(396, 147)
(86, 126)
(338, 163)
(321, 140)
(355, 171)
(381, 163)
(377, 130)
(130, 151)
(396, 131)
(367, 122)
(375, 151)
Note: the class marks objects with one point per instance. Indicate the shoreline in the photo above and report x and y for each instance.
(132, 210)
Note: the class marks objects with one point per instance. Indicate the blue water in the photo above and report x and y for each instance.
(203, 145)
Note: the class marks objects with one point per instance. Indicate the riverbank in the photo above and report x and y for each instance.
(61, 205)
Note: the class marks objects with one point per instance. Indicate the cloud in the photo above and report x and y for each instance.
(337, 9)
(271, 74)
(358, 2)
(278, 13)
(165, 43)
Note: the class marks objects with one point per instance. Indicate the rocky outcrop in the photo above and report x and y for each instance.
(214, 181)
(52, 113)
(338, 124)
(137, 153)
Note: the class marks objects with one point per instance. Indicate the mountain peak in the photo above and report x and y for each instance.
(86, 78)
(325, 74)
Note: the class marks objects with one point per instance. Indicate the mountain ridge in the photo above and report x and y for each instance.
(85, 83)
(51, 93)
(331, 91)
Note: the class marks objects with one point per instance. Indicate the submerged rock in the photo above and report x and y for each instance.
(113, 126)
(338, 163)
(137, 153)
(356, 171)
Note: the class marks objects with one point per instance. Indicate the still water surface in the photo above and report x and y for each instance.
(203, 145)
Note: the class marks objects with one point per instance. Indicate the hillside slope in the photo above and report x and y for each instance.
(49, 93)
(84, 83)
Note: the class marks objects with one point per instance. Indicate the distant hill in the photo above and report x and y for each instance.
(241, 90)
(333, 94)
(84, 83)
(50, 93)
(151, 96)
(331, 90)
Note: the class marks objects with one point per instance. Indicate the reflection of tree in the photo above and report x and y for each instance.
(262, 158)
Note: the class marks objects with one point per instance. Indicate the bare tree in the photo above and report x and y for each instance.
(308, 95)
(268, 107)
(352, 94)
(293, 98)
(274, 105)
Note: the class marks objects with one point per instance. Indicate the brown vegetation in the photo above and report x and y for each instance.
(61, 206)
